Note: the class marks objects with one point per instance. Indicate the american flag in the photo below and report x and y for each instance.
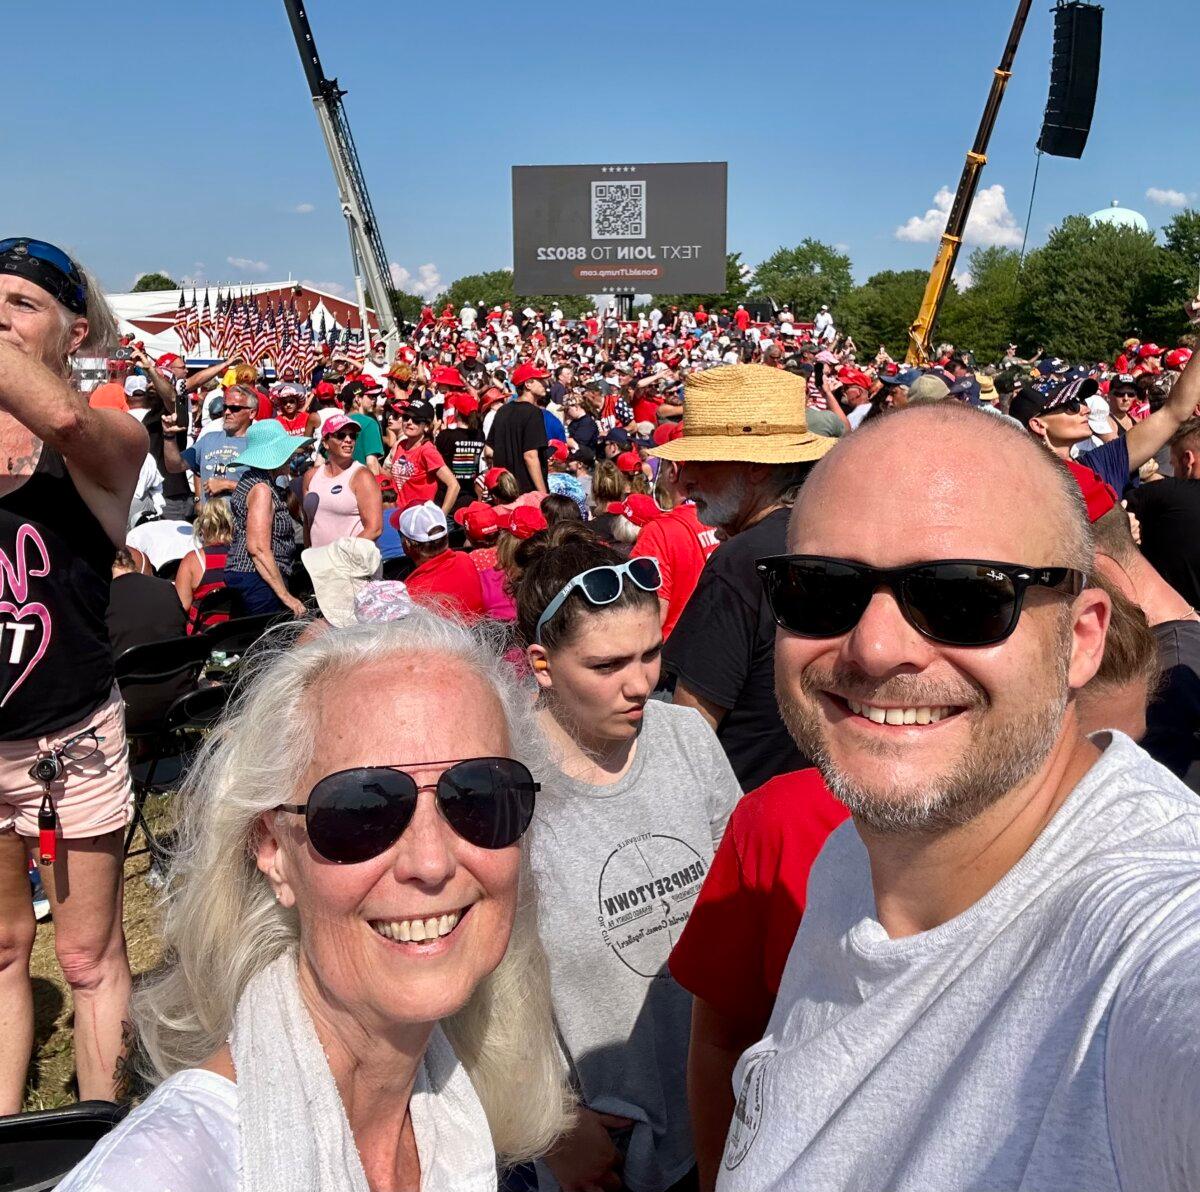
(356, 347)
(193, 323)
(307, 354)
(221, 324)
(180, 323)
(244, 329)
(206, 319)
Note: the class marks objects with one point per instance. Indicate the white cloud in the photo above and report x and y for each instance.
(963, 279)
(991, 223)
(425, 284)
(246, 265)
(1167, 198)
(328, 287)
(302, 209)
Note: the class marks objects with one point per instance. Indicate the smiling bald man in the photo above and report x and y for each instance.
(996, 983)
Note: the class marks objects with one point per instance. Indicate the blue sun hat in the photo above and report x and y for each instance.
(269, 446)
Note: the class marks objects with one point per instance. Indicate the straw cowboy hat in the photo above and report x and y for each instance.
(745, 413)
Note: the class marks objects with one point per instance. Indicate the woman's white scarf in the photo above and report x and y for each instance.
(294, 1135)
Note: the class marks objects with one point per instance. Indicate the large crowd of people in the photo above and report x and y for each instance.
(683, 752)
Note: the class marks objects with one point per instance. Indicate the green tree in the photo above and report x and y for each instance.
(881, 309)
(1088, 287)
(154, 281)
(495, 288)
(983, 318)
(1176, 280)
(804, 277)
(737, 289)
(405, 306)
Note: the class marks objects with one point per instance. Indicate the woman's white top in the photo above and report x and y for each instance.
(184, 1136)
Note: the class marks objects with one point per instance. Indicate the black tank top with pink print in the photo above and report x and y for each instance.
(56, 663)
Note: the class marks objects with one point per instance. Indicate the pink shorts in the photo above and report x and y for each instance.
(94, 795)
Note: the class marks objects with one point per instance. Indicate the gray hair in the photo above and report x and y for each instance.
(221, 924)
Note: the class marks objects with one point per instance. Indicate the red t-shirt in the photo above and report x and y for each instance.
(645, 409)
(734, 947)
(414, 469)
(742, 319)
(448, 581)
(681, 545)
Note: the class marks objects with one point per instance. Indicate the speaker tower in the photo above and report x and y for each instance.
(1074, 74)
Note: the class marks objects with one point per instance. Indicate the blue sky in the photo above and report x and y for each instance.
(169, 135)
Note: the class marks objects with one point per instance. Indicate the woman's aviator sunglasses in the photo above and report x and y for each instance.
(956, 602)
(354, 815)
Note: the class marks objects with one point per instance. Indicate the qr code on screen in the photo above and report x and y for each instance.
(618, 210)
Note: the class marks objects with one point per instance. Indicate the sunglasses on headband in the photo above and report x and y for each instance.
(603, 585)
(354, 815)
(956, 602)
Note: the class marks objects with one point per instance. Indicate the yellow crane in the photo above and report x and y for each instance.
(951, 242)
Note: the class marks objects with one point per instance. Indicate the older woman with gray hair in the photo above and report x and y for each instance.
(355, 996)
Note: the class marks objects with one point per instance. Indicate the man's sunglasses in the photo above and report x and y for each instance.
(354, 815)
(603, 585)
(956, 602)
(234, 409)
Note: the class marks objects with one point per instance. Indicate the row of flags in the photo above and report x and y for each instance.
(236, 324)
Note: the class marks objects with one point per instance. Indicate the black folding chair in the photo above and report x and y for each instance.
(238, 634)
(152, 678)
(38, 1149)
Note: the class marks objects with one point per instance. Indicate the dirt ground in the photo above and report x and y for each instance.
(51, 1079)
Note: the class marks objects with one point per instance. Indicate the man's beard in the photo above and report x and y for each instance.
(721, 509)
(999, 756)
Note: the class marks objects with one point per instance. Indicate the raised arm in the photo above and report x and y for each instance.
(1149, 435)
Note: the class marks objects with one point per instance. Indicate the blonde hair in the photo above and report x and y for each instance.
(214, 523)
(221, 924)
(608, 484)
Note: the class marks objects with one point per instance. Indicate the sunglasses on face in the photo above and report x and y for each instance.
(603, 585)
(234, 409)
(956, 602)
(1068, 407)
(354, 815)
(343, 434)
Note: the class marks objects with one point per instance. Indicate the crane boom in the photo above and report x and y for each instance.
(366, 244)
(960, 209)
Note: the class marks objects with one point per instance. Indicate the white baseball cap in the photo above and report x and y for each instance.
(134, 385)
(423, 523)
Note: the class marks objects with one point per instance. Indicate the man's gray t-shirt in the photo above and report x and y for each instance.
(1045, 1040)
(618, 869)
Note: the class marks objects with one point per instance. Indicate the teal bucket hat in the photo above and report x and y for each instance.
(268, 445)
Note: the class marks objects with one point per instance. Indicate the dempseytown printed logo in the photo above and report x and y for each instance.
(747, 1114)
(645, 894)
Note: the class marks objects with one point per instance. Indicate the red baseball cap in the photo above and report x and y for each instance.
(464, 403)
(480, 521)
(629, 462)
(1099, 495)
(666, 432)
(1178, 358)
(522, 520)
(559, 450)
(852, 376)
(637, 508)
(1149, 350)
(468, 348)
(492, 477)
(450, 377)
(528, 372)
(494, 395)
(324, 389)
(368, 381)
(167, 359)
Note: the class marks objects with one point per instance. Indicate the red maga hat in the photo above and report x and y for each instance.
(528, 372)
(637, 508)
(480, 521)
(450, 377)
(522, 520)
